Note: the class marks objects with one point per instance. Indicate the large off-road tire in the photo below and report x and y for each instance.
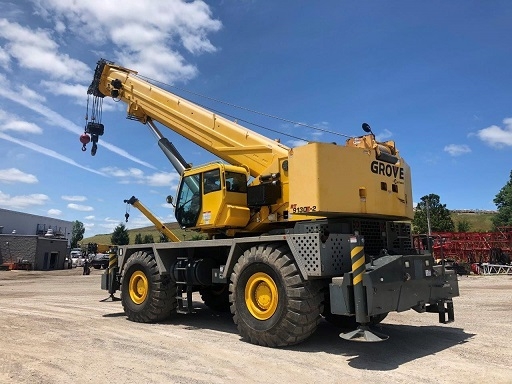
(271, 303)
(216, 297)
(147, 297)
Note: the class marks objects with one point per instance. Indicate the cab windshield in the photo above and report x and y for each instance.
(188, 204)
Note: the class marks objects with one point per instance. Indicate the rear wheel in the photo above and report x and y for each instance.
(146, 296)
(271, 303)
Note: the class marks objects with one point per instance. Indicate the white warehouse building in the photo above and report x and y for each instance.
(36, 242)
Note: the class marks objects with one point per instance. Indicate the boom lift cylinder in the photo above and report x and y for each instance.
(169, 150)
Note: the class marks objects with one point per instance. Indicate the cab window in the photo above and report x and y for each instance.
(236, 182)
(211, 181)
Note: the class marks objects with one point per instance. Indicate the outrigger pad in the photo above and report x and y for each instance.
(364, 334)
(111, 297)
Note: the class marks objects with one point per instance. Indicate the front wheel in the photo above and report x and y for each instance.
(146, 296)
(271, 303)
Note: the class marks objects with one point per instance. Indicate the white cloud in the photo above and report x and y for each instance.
(78, 207)
(89, 227)
(77, 91)
(4, 59)
(54, 212)
(457, 149)
(36, 50)
(112, 221)
(136, 176)
(91, 217)
(73, 198)
(60, 27)
(47, 152)
(138, 222)
(162, 179)
(296, 143)
(123, 153)
(384, 135)
(10, 122)
(6, 90)
(21, 126)
(497, 136)
(30, 95)
(108, 228)
(14, 175)
(22, 201)
(151, 47)
(123, 173)
(109, 224)
(321, 128)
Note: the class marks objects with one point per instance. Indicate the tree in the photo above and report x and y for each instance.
(77, 233)
(440, 219)
(163, 238)
(463, 226)
(120, 235)
(503, 201)
(138, 238)
(148, 239)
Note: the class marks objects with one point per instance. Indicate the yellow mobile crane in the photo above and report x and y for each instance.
(294, 234)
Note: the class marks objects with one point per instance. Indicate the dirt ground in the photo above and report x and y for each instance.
(54, 329)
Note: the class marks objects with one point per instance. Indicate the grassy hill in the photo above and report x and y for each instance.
(479, 222)
(151, 230)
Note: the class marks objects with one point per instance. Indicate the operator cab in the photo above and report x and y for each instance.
(213, 196)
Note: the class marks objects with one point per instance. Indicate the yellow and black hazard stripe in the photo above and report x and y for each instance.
(112, 260)
(112, 270)
(358, 264)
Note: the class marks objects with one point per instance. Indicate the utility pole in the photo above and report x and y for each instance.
(429, 236)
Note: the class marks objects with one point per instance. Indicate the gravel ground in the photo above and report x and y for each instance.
(54, 329)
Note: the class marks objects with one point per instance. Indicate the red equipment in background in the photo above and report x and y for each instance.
(470, 247)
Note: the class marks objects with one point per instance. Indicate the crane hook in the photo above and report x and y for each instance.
(84, 139)
(127, 215)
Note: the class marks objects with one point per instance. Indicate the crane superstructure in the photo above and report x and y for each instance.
(293, 233)
(276, 194)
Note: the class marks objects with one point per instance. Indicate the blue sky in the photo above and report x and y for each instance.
(433, 76)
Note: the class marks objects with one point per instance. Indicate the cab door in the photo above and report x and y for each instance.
(213, 196)
(188, 202)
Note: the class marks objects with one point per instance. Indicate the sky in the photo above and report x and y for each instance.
(433, 76)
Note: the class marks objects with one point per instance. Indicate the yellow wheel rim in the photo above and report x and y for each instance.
(138, 287)
(261, 296)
